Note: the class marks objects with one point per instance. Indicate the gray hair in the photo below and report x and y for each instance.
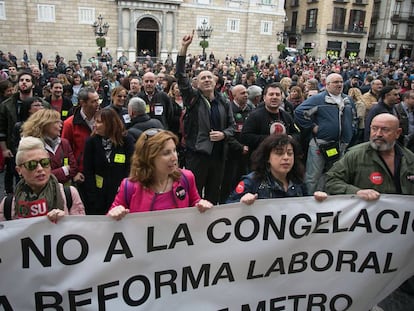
(254, 91)
(137, 105)
(84, 93)
(26, 144)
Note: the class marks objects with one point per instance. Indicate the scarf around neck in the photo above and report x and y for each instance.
(29, 204)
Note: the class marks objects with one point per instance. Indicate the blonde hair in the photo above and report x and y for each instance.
(355, 94)
(27, 144)
(37, 122)
(285, 83)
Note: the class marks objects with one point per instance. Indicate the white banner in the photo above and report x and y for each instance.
(281, 254)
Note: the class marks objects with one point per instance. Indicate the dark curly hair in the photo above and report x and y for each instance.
(260, 157)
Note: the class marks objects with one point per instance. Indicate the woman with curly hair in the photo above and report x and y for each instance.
(155, 181)
(277, 173)
(46, 124)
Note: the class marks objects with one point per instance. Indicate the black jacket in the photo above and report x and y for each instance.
(197, 123)
(160, 107)
(103, 176)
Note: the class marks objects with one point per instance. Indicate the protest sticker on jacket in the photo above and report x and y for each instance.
(281, 254)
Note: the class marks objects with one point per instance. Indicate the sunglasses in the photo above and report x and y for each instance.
(32, 164)
(152, 132)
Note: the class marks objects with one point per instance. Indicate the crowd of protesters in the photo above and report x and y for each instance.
(221, 115)
(144, 93)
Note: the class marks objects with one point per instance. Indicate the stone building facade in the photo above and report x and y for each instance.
(391, 33)
(156, 27)
(334, 28)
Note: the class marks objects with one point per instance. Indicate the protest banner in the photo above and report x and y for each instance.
(281, 254)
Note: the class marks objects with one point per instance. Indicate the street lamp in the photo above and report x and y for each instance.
(204, 32)
(100, 29)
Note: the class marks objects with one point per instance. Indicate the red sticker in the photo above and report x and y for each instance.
(376, 178)
(28, 209)
(277, 128)
(240, 187)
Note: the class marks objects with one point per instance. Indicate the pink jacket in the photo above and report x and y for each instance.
(76, 209)
(183, 194)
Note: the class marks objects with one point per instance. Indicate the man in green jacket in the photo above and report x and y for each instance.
(369, 169)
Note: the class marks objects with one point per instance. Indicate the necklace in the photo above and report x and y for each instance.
(165, 186)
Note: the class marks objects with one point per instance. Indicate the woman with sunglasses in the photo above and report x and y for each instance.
(155, 181)
(38, 193)
(118, 103)
(106, 161)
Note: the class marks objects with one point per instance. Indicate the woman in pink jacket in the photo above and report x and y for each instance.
(38, 193)
(155, 181)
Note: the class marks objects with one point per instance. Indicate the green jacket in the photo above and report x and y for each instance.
(362, 168)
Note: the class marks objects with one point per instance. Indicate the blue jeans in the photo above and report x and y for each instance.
(315, 164)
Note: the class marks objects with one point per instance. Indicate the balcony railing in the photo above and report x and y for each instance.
(398, 16)
(309, 29)
(361, 2)
(291, 29)
(347, 29)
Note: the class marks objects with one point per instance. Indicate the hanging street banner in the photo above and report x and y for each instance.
(280, 254)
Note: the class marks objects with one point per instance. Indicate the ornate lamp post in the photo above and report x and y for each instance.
(204, 32)
(100, 29)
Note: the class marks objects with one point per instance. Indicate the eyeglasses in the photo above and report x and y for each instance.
(37, 105)
(152, 132)
(32, 164)
(122, 96)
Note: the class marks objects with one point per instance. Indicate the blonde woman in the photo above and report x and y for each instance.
(285, 84)
(47, 125)
(356, 96)
(38, 193)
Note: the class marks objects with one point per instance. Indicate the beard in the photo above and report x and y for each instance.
(384, 146)
(25, 91)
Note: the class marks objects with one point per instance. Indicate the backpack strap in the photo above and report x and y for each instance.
(184, 180)
(68, 196)
(127, 194)
(8, 206)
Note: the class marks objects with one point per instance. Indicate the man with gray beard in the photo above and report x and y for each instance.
(369, 169)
